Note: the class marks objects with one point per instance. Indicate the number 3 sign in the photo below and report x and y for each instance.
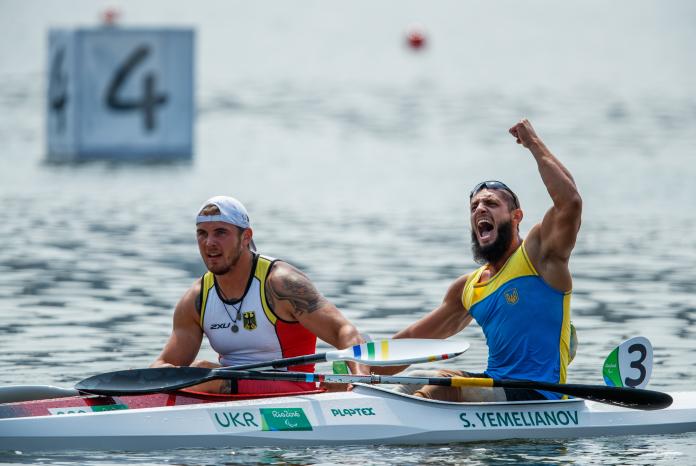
(630, 364)
(120, 94)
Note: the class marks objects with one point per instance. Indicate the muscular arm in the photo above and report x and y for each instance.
(448, 319)
(294, 297)
(185, 341)
(550, 243)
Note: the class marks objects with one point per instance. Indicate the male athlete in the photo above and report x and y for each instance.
(520, 296)
(251, 307)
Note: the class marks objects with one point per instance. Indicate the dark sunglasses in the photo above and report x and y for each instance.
(494, 184)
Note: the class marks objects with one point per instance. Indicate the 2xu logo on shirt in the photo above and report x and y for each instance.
(248, 320)
(220, 325)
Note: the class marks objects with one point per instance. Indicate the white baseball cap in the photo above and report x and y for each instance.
(231, 211)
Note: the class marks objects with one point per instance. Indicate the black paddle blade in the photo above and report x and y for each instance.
(143, 381)
(634, 398)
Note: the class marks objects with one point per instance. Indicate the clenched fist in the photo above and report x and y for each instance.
(525, 134)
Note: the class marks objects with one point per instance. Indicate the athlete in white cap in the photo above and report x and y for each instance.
(251, 307)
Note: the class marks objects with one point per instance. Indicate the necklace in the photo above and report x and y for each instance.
(238, 308)
(235, 327)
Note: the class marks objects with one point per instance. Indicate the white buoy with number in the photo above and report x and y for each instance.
(120, 94)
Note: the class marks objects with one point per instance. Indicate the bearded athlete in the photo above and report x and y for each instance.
(520, 296)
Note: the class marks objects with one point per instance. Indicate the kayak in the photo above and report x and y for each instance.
(365, 415)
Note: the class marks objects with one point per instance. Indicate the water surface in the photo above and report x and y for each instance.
(355, 158)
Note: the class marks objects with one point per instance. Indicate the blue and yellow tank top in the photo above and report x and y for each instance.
(526, 322)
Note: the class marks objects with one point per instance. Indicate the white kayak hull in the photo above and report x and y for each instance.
(367, 415)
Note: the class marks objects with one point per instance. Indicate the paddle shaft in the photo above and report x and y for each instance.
(284, 362)
(134, 382)
(619, 396)
(379, 353)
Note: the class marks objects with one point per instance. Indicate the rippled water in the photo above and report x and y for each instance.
(355, 158)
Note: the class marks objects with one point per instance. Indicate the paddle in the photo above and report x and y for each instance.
(635, 398)
(376, 353)
(173, 378)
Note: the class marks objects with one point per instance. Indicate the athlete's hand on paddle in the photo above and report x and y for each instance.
(349, 367)
(524, 133)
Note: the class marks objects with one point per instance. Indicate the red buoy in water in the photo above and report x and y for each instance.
(415, 37)
(110, 17)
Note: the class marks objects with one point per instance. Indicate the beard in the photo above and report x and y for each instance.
(222, 269)
(494, 251)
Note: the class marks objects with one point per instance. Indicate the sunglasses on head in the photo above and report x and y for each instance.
(494, 184)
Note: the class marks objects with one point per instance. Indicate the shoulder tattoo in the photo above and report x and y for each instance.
(298, 290)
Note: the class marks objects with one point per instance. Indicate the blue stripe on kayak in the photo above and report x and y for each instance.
(309, 378)
(357, 352)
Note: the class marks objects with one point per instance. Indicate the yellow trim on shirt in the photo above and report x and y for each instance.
(527, 260)
(565, 338)
(517, 265)
(263, 265)
(208, 284)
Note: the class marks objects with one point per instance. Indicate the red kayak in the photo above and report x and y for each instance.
(95, 403)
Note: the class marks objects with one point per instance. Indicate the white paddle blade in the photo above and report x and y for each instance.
(629, 364)
(401, 351)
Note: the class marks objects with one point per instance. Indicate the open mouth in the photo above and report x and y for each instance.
(485, 229)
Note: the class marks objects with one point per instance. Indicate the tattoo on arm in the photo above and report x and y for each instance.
(298, 290)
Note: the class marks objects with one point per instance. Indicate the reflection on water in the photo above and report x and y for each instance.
(96, 256)
(665, 449)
